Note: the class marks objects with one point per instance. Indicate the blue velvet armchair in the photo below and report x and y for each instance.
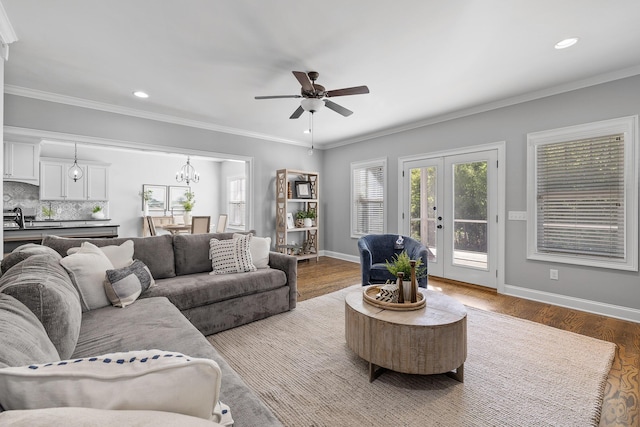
(377, 249)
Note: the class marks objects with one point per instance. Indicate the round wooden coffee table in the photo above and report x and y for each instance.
(430, 340)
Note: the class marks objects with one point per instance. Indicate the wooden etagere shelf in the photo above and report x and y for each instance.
(297, 191)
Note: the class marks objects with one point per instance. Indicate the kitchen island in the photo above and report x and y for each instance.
(33, 232)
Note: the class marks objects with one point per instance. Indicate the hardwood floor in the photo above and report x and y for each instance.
(620, 407)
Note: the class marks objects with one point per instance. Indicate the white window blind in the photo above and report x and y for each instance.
(368, 197)
(580, 197)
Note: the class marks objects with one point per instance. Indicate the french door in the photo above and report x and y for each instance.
(451, 205)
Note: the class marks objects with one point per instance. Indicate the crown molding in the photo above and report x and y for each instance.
(531, 96)
(110, 108)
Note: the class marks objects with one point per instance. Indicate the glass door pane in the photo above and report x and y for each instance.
(423, 209)
(470, 213)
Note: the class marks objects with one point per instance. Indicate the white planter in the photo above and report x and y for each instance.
(97, 215)
(308, 222)
(146, 209)
(187, 217)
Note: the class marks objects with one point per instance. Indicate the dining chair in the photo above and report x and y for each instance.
(222, 223)
(200, 224)
(178, 219)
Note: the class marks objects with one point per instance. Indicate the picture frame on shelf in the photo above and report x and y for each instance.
(290, 223)
(176, 196)
(158, 198)
(303, 189)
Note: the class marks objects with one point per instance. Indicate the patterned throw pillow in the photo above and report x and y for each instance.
(124, 285)
(231, 255)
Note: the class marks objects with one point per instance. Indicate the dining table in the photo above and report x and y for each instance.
(175, 228)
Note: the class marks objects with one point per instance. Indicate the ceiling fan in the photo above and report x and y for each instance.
(315, 95)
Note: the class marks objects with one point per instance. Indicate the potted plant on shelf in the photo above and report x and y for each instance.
(402, 263)
(97, 213)
(306, 217)
(187, 204)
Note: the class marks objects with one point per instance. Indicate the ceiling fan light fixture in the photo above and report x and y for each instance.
(312, 104)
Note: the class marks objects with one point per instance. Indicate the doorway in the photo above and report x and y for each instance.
(450, 204)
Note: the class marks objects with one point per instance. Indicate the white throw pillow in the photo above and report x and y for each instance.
(259, 247)
(87, 268)
(120, 256)
(231, 255)
(152, 380)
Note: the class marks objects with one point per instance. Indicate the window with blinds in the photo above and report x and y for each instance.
(582, 211)
(368, 194)
(237, 201)
(580, 197)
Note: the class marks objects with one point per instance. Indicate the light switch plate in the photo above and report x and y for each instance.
(518, 215)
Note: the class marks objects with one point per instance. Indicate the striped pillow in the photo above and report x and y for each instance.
(231, 255)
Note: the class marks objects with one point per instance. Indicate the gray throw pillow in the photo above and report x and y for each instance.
(124, 285)
(24, 340)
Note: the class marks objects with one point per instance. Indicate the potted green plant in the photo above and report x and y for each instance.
(48, 212)
(307, 217)
(187, 204)
(97, 213)
(146, 197)
(402, 263)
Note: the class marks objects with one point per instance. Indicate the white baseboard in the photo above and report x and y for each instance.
(595, 307)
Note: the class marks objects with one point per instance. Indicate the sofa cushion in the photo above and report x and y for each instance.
(231, 255)
(154, 323)
(23, 337)
(121, 380)
(119, 255)
(23, 252)
(41, 284)
(124, 285)
(155, 251)
(200, 289)
(87, 269)
(192, 251)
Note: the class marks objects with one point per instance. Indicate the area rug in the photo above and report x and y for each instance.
(517, 373)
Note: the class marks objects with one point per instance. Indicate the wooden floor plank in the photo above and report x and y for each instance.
(622, 393)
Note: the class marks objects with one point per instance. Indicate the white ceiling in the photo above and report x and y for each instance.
(203, 61)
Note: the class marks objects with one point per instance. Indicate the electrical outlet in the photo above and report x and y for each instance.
(553, 274)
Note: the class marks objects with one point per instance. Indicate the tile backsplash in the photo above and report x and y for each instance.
(18, 194)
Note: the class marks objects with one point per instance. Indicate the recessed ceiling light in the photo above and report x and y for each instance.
(563, 44)
(306, 131)
(140, 94)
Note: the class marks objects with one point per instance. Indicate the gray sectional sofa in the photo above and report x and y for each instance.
(174, 315)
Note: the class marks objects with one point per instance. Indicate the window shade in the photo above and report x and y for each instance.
(580, 197)
(368, 200)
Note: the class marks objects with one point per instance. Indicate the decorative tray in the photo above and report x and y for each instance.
(369, 296)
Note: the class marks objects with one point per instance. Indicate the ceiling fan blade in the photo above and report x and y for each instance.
(297, 113)
(303, 78)
(337, 108)
(358, 90)
(278, 96)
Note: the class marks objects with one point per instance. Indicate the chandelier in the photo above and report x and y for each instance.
(75, 172)
(187, 174)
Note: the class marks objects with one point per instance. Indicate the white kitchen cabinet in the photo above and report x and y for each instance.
(55, 183)
(21, 162)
